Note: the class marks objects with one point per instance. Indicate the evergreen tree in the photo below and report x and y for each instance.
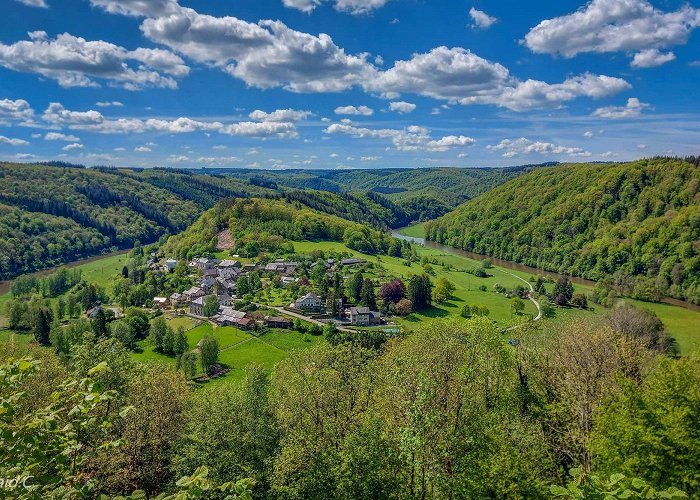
(42, 325)
(563, 291)
(169, 341)
(539, 286)
(367, 296)
(354, 287)
(99, 324)
(60, 308)
(420, 291)
(332, 304)
(180, 346)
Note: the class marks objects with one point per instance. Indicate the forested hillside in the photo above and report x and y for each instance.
(50, 214)
(421, 194)
(265, 224)
(634, 225)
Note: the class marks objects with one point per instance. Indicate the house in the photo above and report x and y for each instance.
(278, 322)
(213, 273)
(352, 262)
(193, 293)
(249, 268)
(171, 264)
(227, 284)
(160, 302)
(281, 266)
(203, 263)
(229, 272)
(229, 264)
(207, 282)
(362, 316)
(224, 299)
(310, 301)
(197, 306)
(176, 299)
(228, 316)
(92, 312)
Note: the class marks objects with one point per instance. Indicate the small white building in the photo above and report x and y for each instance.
(310, 301)
(160, 302)
(171, 264)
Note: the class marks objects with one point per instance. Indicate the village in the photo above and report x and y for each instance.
(216, 291)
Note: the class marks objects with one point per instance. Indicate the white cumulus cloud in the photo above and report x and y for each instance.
(412, 138)
(280, 115)
(613, 26)
(523, 146)
(12, 142)
(402, 106)
(57, 136)
(35, 3)
(651, 58)
(632, 109)
(354, 110)
(460, 76)
(481, 19)
(16, 109)
(75, 62)
(350, 6)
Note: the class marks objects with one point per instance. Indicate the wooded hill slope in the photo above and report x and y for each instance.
(259, 224)
(422, 193)
(638, 224)
(55, 214)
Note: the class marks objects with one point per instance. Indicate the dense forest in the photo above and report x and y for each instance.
(634, 226)
(56, 213)
(423, 193)
(257, 224)
(450, 411)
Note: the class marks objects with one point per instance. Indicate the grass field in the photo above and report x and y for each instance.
(18, 338)
(98, 271)
(414, 231)
(683, 324)
(237, 348)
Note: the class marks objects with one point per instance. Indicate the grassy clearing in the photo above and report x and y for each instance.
(414, 231)
(8, 336)
(99, 271)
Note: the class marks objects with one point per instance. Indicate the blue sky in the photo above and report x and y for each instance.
(347, 83)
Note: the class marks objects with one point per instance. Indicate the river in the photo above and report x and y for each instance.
(5, 285)
(521, 267)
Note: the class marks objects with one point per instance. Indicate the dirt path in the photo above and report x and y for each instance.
(530, 294)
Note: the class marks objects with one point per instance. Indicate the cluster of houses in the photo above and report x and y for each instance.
(357, 316)
(218, 279)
